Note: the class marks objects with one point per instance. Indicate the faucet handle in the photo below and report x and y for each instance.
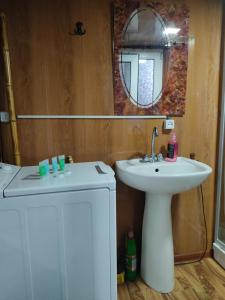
(160, 157)
(146, 159)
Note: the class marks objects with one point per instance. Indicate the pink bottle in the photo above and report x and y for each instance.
(172, 149)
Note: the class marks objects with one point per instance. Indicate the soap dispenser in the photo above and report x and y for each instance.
(172, 148)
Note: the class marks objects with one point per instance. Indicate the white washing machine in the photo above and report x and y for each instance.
(58, 234)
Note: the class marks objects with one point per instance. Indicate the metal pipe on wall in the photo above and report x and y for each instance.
(9, 89)
(37, 117)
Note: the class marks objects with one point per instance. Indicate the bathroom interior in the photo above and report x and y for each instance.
(63, 90)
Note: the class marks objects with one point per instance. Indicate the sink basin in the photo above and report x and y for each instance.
(163, 177)
(160, 180)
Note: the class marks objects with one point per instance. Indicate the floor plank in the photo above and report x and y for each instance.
(123, 293)
(203, 280)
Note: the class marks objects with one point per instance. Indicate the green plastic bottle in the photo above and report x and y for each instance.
(131, 258)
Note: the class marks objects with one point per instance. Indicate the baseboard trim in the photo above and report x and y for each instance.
(192, 256)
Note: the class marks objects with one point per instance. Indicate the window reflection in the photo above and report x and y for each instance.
(142, 73)
(145, 81)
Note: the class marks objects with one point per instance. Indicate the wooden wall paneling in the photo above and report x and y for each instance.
(57, 73)
(197, 130)
(3, 99)
(61, 73)
(97, 59)
(7, 149)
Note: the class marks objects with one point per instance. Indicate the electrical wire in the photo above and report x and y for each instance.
(206, 234)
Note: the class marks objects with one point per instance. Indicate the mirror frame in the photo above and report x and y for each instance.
(172, 101)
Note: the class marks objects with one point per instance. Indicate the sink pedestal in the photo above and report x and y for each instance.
(157, 259)
(160, 180)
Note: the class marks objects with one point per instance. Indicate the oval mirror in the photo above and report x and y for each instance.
(143, 53)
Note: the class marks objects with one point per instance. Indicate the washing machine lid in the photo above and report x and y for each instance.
(77, 176)
(7, 173)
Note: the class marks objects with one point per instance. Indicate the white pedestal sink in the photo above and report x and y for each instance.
(160, 180)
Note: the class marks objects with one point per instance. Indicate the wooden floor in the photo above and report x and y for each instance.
(204, 280)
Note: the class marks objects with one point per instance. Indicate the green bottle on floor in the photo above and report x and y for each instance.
(131, 258)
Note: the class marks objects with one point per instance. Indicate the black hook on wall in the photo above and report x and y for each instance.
(79, 29)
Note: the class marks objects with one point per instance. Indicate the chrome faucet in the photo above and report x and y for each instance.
(155, 133)
(153, 157)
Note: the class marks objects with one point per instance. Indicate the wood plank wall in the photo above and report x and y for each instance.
(55, 73)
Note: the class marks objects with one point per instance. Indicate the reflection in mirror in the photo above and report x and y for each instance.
(150, 57)
(142, 74)
(141, 57)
